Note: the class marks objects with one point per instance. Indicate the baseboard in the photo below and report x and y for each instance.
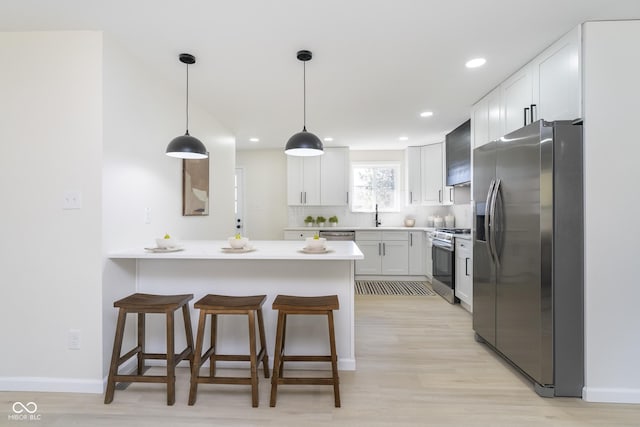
(611, 395)
(46, 384)
(396, 278)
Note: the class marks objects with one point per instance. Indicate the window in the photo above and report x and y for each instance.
(375, 183)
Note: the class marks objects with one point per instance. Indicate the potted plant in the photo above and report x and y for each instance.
(321, 220)
(333, 220)
(309, 221)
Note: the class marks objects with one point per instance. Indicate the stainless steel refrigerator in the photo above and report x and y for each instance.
(528, 253)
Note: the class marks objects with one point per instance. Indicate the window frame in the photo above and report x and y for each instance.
(397, 196)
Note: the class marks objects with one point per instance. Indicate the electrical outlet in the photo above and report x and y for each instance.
(73, 339)
(147, 215)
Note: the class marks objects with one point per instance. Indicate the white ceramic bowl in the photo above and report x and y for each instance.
(238, 243)
(409, 222)
(166, 243)
(315, 244)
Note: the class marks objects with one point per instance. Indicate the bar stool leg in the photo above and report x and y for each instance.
(334, 360)
(252, 358)
(115, 356)
(141, 343)
(188, 330)
(214, 345)
(277, 356)
(197, 358)
(263, 343)
(171, 365)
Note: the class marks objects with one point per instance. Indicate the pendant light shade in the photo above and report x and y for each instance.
(304, 143)
(187, 146)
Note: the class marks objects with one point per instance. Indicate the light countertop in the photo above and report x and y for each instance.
(341, 228)
(263, 250)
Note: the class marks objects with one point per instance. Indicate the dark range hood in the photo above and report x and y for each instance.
(458, 152)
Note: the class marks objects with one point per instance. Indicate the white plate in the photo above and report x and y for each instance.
(164, 250)
(238, 250)
(315, 251)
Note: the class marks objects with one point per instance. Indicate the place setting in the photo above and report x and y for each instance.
(315, 245)
(164, 245)
(238, 245)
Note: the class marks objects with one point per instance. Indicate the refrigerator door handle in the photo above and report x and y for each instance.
(487, 216)
(492, 214)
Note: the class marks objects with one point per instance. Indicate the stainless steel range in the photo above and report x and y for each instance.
(444, 259)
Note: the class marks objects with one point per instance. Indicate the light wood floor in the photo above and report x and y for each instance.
(418, 365)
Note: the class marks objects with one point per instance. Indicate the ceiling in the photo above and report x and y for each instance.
(377, 63)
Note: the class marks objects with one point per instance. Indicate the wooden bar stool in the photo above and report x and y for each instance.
(215, 305)
(310, 306)
(143, 304)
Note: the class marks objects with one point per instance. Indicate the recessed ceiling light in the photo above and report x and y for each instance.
(475, 63)
(426, 114)
(403, 138)
(254, 139)
(328, 139)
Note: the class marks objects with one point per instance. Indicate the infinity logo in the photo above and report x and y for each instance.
(19, 407)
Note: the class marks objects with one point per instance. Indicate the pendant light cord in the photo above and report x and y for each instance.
(187, 106)
(304, 96)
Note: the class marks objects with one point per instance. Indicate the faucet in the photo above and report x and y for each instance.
(378, 223)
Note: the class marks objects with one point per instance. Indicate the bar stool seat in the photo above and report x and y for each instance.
(214, 305)
(143, 304)
(286, 304)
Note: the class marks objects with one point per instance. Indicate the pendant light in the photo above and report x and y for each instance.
(186, 146)
(304, 143)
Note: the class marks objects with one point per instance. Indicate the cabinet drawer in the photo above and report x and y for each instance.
(395, 235)
(463, 245)
(369, 235)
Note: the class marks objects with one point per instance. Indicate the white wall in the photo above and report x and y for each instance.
(265, 192)
(50, 258)
(612, 150)
(75, 116)
(141, 115)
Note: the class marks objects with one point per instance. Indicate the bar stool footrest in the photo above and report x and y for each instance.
(307, 381)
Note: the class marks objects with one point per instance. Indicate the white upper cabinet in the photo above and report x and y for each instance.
(303, 180)
(557, 79)
(517, 97)
(548, 87)
(334, 177)
(414, 175)
(432, 172)
(319, 180)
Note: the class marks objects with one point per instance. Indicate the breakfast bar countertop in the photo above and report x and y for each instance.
(260, 250)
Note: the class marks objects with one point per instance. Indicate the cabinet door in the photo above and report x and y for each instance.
(495, 120)
(416, 253)
(311, 180)
(480, 123)
(414, 183)
(432, 173)
(517, 94)
(295, 180)
(395, 260)
(428, 271)
(334, 177)
(464, 272)
(557, 83)
(372, 251)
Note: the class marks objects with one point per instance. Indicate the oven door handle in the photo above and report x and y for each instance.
(447, 248)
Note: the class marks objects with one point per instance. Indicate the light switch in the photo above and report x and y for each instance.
(147, 215)
(72, 200)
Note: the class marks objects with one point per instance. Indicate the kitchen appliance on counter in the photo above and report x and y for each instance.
(443, 262)
(528, 253)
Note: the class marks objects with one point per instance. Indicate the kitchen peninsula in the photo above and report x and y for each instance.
(271, 268)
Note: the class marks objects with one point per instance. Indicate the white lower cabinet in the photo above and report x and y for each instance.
(385, 252)
(299, 234)
(428, 257)
(417, 249)
(464, 273)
